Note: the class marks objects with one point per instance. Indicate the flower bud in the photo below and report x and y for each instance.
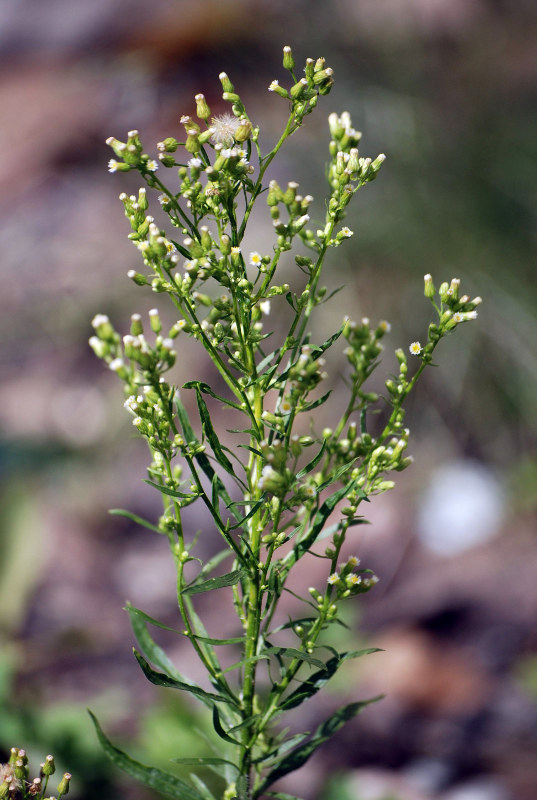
(428, 290)
(202, 109)
(288, 60)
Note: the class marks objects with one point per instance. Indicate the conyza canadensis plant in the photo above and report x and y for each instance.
(290, 488)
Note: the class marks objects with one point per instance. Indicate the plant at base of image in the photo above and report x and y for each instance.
(287, 490)
(15, 779)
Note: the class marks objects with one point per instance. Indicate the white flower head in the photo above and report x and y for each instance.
(255, 259)
(333, 578)
(112, 165)
(224, 129)
(415, 348)
(264, 305)
(346, 232)
(152, 165)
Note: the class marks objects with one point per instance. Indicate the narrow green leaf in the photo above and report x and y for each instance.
(318, 350)
(152, 777)
(313, 463)
(202, 761)
(229, 579)
(317, 680)
(155, 653)
(297, 758)
(213, 562)
(244, 661)
(316, 403)
(206, 389)
(207, 639)
(201, 787)
(292, 652)
(167, 490)
(209, 431)
(162, 679)
(217, 725)
(250, 514)
(121, 512)
(282, 748)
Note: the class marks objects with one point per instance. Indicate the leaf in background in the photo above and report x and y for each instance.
(121, 512)
(152, 777)
(167, 490)
(210, 433)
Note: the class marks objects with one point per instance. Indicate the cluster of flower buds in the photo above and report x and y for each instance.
(296, 206)
(16, 784)
(134, 360)
(452, 309)
(303, 376)
(131, 155)
(318, 80)
(364, 347)
(348, 171)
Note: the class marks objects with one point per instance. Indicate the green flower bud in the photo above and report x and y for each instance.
(202, 109)
(288, 60)
(428, 290)
(63, 786)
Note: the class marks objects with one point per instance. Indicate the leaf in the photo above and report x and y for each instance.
(167, 490)
(206, 389)
(202, 761)
(208, 429)
(202, 787)
(229, 579)
(292, 652)
(155, 653)
(318, 679)
(316, 403)
(207, 639)
(121, 512)
(282, 748)
(162, 679)
(318, 350)
(297, 758)
(313, 463)
(217, 725)
(152, 777)
(214, 562)
(250, 514)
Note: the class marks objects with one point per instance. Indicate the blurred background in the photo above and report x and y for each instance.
(448, 90)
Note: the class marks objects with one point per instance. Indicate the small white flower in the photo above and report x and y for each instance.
(457, 317)
(354, 579)
(255, 259)
(333, 578)
(194, 163)
(116, 364)
(273, 85)
(235, 251)
(353, 561)
(265, 307)
(112, 165)
(346, 232)
(415, 348)
(152, 165)
(385, 326)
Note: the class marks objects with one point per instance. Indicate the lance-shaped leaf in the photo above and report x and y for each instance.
(229, 579)
(201, 458)
(207, 639)
(216, 764)
(313, 463)
(209, 431)
(162, 679)
(316, 403)
(166, 489)
(121, 512)
(318, 679)
(152, 777)
(298, 757)
(217, 725)
(200, 386)
(292, 652)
